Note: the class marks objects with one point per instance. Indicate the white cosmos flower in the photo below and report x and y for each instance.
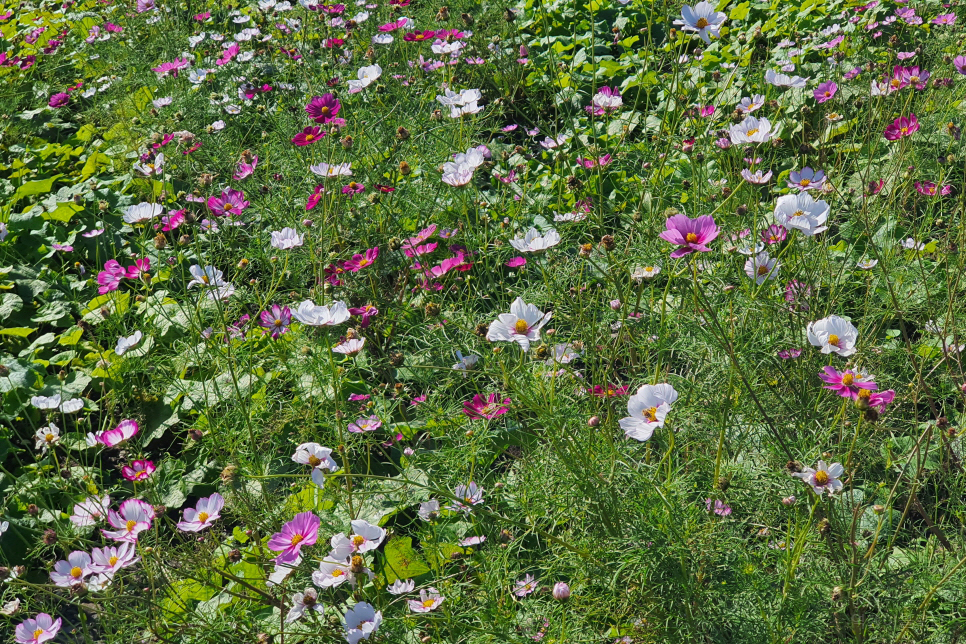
(462, 98)
(752, 130)
(72, 406)
(382, 39)
(142, 212)
(303, 601)
(333, 170)
(207, 277)
(365, 536)
(367, 76)
(702, 19)
(47, 436)
(457, 175)
(361, 622)
(466, 363)
(311, 315)
(332, 573)
(441, 47)
(521, 325)
(125, 344)
(400, 587)
(46, 402)
(533, 242)
(350, 347)
(762, 267)
(834, 335)
(648, 408)
(749, 105)
(823, 477)
(194, 40)
(801, 212)
(781, 80)
(155, 168)
(645, 273)
(286, 239)
(199, 76)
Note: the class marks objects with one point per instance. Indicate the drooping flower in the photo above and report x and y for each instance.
(276, 320)
(401, 587)
(801, 212)
(521, 325)
(131, 518)
(902, 127)
(534, 242)
(488, 408)
(647, 409)
(310, 314)
(702, 19)
(429, 599)
(72, 571)
(302, 530)
(365, 313)
(201, 516)
(757, 177)
(834, 335)
(350, 347)
(140, 470)
(823, 478)
(692, 235)
(781, 80)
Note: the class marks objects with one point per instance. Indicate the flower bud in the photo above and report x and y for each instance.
(561, 591)
(615, 305)
(789, 500)
(404, 168)
(593, 421)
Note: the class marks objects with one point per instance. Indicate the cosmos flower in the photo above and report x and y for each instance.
(774, 234)
(125, 344)
(350, 347)
(334, 170)
(488, 408)
(142, 212)
(370, 424)
(752, 130)
(834, 335)
(692, 235)
(109, 559)
(140, 470)
(521, 325)
(37, 630)
(762, 267)
(756, 177)
(718, 507)
(323, 109)
(801, 212)
(365, 536)
(91, 511)
(702, 19)
(647, 409)
(73, 571)
(429, 599)
(645, 272)
(206, 511)
(847, 383)
(230, 203)
(781, 80)
(902, 127)
(360, 261)
(302, 530)
(131, 518)
(806, 179)
(309, 599)
(361, 622)
(366, 76)
(823, 478)
(533, 242)
(401, 587)
(308, 136)
(525, 586)
(276, 320)
(310, 314)
(825, 91)
(286, 239)
(467, 496)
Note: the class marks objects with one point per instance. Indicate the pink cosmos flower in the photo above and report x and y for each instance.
(228, 54)
(131, 518)
(308, 136)
(429, 599)
(901, 127)
(525, 586)
(171, 221)
(846, 383)
(232, 202)
(608, 391)
(366, 313)
(913, 76)
(59, 99)
(825, 91)
(323, 109)
(302, 530)
(245, 170)
(488, 408)
(109, 559)
(416, 251)
(930, 189)
(361, 425)
(315, 197)
(277, 320)
(205, 511)
(37, 630)
(352, 188)
(114, 437)
(138, 470)
(420, 36)
(806, 179)
(141, 269)
(944, 19)
(73, 571)
(707, 111)
(90, 511)
(110, 278)
(774, 234)
(718, 507)
(789, 354)
(876, 401)
(959, 62)
(516, 262)
(361, 261)
(692, 235)
(171, 68)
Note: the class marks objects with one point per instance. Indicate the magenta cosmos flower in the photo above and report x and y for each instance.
(825, 91)
(302, 530)
(138, 470)
(692, 235)
(419, 36)
(901, 127)
(59, 99)
(110, 278)
(323, 108)
(877, 401)
(846, 383)
(308, 136)
(232, 202)
(37, 630)
(277, 320)
(488, 408)
(930, 189)
(352, 188)
(114, 437)
(610, 391)
(361, 261)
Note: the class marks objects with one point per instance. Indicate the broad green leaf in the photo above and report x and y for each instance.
(402, 560)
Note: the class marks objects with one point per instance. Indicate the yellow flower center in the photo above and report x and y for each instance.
(338, 572)
(309, 137)
(865, 394)
(648, 269)
(914, 79)
(821, 477)
(204, 278)
(428, 603)
(904, 130)
(895, 82)
(805, 182)
(353, 184)
(113, 560)
(691, 238)
(130, 525)
(76, 572)
(203, 516)
(363, 262)
(650, 414)
(314, 460)
(38, 633)
(468, 499)
(798, 213)
(521, 326)
(49, 438)
(358, 540)
(701, 23)
(848, 379)
(325, 111)
(833, 340)
(229, 206)
(278, 322)
(753, 131)
(297, 539)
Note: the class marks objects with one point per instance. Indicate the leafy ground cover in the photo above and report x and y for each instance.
(618, 321)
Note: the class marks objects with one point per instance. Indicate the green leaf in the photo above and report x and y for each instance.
(39, 187)
(10, 303)
(20, 332)
(740, 12)
(402, 560)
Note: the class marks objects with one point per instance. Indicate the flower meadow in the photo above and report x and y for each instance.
(393, 321)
